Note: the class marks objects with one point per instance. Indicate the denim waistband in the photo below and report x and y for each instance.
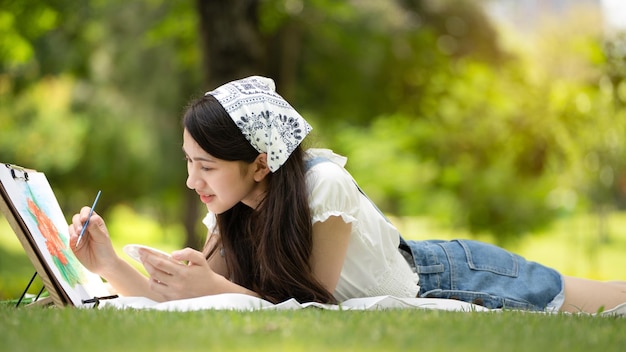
(404, 249)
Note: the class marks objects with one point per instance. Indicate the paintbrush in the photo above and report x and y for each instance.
(82, 232)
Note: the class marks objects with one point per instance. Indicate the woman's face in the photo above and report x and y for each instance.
(220, 184)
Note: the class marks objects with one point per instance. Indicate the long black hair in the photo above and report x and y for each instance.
(267, 249)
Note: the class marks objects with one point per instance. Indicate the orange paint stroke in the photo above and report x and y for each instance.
(62, 257)
(53, 241)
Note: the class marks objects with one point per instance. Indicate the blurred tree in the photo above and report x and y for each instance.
(232, 48)
(436, 116)
(485, 137)
(99, 98)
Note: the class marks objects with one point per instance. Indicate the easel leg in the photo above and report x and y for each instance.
(36, 302)
(26, 289)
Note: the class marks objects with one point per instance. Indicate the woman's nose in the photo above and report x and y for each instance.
(192, 181)
(189, 183)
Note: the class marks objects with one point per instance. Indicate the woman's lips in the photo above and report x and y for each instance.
(206, 199)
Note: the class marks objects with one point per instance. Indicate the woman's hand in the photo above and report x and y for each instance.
(95, 250)
(184, 275)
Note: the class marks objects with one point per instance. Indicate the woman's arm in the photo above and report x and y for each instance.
(187, 275)
(191, 275)
(330, 245)
(96, 253)
(128, 281)
(169, 278)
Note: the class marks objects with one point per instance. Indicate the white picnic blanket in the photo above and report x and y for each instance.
(241, 302)
(234, 301)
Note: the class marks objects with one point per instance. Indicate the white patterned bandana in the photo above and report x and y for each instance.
(267, 120)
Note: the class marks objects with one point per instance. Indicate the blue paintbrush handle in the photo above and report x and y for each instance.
(82, 232)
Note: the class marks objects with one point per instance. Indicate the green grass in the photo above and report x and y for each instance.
(55, 329)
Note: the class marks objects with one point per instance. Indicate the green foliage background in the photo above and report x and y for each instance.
(441, 112)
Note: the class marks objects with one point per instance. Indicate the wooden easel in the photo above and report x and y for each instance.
(56, 294)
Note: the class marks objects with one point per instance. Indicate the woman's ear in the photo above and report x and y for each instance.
(260, 167)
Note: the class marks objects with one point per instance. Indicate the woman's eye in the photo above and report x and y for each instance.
(199, 164)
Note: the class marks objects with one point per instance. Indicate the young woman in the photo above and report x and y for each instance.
(287, 223)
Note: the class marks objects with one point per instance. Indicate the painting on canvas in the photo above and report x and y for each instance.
(39, 209)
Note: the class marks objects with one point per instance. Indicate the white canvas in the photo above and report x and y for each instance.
(38, 207)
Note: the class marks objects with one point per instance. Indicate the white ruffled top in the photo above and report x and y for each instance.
(373, 265)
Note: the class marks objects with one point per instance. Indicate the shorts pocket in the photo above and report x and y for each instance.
(487, 257)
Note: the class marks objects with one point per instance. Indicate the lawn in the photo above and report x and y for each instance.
(55, 329)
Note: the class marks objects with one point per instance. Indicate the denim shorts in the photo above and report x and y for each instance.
(485, 275)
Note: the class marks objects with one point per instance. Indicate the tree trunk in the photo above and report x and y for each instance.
(232, 48)
(232, 45)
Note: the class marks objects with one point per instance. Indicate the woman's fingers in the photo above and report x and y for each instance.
(184, 274)
(190, 256)
(78, 222)
(160, 268)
